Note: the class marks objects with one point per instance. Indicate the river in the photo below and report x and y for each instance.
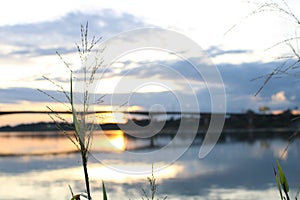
(42, 165)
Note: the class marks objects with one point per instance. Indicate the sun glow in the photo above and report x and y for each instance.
(119, 143)
(117, 139)
(109, 140)
(54, 143)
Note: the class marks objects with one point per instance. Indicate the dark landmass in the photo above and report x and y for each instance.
(50, 126)
(41, 126)
(239, 121)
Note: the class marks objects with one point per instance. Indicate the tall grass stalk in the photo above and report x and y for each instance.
(83, 130)
(82, 135)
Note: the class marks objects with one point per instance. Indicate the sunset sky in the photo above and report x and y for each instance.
(32, 31)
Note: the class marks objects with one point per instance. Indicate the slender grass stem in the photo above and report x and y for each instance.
(85, 171)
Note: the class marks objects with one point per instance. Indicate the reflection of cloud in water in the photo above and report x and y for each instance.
(277, 147)
(242, 193)
(280, 151)
(111, 175)
(196, 168)
(53, 183)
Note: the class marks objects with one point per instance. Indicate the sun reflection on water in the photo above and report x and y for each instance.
(119, 142)
(113, 141)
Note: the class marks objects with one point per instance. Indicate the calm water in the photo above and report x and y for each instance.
(43, 166)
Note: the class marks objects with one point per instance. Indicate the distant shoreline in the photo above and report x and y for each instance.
(247, 122)
(234, 122)
(169, 128)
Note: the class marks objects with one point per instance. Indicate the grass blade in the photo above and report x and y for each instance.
(283, 181)
(104, 191)
(278, 184)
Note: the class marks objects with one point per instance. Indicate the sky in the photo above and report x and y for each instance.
(236, 43)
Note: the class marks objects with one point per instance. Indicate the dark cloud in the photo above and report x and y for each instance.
(159, 69)
(41, 51)
(163, 69)
(45, 38)
(249, 77)
(15, 95)
(242, 81)
(215, 51)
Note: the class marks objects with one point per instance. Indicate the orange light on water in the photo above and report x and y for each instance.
(119, 142)
(15, 145)
(28, 143)
(117, 139)
(112, 140)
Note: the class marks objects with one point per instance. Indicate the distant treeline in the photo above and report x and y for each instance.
(256, 121)
(249, 120)
(50, 126)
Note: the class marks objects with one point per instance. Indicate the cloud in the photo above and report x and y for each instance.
(239, 80)
(40, 51)
(279, 97)
(241, 85)
(216, 51)
(240, 89)
(44, 38)
(16, 95)
(28, 51)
